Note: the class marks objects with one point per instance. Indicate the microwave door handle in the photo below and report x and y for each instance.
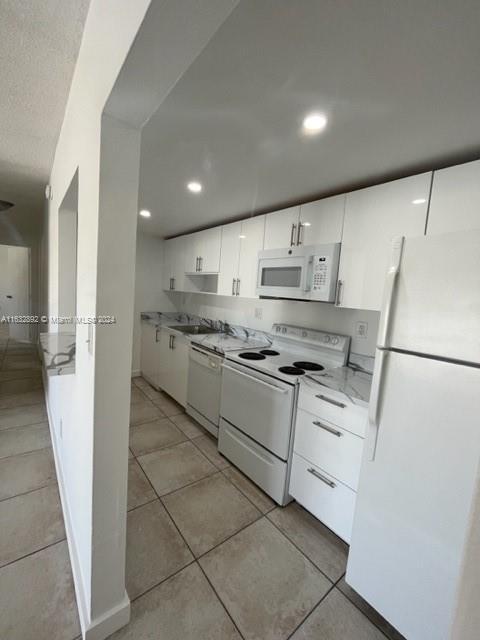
(389, 292)
(308, 274)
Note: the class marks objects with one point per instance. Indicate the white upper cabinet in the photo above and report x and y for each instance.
(251, 242)
(281, 228)
(373, 217)
(321, 222)
(210, 242)
(192, 252)
(229, 259)
(202, 251)
(241, 242)
(174, 264)
(455, 199)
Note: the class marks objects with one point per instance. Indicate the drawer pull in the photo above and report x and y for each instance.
(315, 473)
(331, 401)
(334, 432)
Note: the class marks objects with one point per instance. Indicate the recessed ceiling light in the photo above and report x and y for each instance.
(145, 213)
(242, 237)
(194, 187)
(307, 224)
(419, 201)
(313, 123)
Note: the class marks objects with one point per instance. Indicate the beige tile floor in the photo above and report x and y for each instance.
(37, 600)
(209, 555)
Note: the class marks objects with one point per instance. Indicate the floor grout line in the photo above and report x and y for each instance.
(24, 493)
(32, 553)
(310, 612)
(14, 455)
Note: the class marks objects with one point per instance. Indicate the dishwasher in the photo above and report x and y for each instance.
(204, 387)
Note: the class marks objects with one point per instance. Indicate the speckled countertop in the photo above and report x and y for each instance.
(228, 337)
(58, 353)
(348, 380)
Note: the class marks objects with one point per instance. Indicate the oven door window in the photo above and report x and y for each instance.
(281, 276)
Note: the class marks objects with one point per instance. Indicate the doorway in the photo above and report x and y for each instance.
(15, 292)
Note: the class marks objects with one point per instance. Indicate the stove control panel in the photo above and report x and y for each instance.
(331, 341)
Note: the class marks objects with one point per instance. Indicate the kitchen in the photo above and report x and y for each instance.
(316, 348)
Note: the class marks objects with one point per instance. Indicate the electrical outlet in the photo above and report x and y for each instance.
(258, 313)
(361, 329)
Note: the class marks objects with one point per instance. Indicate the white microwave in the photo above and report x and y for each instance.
(299, 273)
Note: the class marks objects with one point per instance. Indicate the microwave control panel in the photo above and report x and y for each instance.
(321, 273)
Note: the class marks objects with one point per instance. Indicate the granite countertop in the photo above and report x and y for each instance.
(58, 353)
(349, 380)
(227, 337)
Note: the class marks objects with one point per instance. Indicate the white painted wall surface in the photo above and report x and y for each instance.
(149, 295)
(313, 315)
(110, 28)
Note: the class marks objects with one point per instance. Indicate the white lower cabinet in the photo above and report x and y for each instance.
(328, 448)
(164, 360)
(174, 365)
(150, 353)
(329, 500)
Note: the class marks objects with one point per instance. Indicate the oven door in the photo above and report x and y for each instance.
(284, 277)
(259, 406)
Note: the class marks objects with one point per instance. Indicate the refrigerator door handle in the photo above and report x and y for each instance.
(388, 292)
(375, 403)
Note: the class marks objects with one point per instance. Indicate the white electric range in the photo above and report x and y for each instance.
(259, 399)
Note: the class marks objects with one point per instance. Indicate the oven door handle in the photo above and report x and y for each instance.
(257, 380)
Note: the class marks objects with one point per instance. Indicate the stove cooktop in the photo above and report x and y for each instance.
(295, 353)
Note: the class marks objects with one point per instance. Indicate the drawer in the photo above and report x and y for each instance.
(335, 407)
(258, 464)
(330, 447)
(333, 505)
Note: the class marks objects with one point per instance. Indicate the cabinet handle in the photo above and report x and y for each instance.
(300, 234)
(196, 265)
(334, 432)
(173, 284)
(237, 291)
(315, 473)
(233, 286)
(173, 342)
(331, 401)
(338, 298)
(292, 234)
(156, 335)
(200, 261)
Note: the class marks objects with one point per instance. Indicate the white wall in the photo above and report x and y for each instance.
(110, 28)
(149, 295)
(313, 315)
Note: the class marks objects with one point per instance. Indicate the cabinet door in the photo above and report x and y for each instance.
(210, 241)
(455, 199)
(251, 242)
(177, 249)
(168, 264)
(373, 217)
(281, 228)
(229, 256)
(150, 353)
(321, 222)
(174, 366)
(192, 252)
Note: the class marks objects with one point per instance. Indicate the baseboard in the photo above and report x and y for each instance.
(114, 619)
(119, 615)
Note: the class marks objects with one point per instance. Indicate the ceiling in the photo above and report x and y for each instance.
(399, 82)
(39, 43)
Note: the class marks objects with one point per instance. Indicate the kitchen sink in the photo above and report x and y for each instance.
(193, 329)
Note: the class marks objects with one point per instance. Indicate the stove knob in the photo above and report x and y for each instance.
(326, 339)
(334, 340)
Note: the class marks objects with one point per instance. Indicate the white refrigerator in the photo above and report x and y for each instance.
(420, 467)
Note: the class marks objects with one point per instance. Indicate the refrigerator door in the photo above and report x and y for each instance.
(414, 498)
(436, 298)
